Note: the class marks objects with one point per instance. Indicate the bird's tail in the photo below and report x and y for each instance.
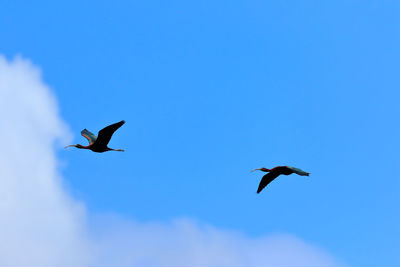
(300, 172)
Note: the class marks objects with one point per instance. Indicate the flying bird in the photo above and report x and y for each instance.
(275, 172)
(99, 143)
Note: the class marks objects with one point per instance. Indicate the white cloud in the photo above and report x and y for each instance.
(187, 243)
(41, 225)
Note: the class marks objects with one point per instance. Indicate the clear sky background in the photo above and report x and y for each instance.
(213, 89)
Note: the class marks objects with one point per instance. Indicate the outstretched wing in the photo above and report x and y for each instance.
(269, 177)
(89, 136)
(105, 134)
(298, 171)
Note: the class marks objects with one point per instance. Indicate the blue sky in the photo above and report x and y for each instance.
(214, 89)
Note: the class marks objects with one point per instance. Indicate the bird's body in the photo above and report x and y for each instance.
(275, 172)
(99, 144)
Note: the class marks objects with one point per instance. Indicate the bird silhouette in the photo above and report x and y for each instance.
(275, 172)
(99, 143)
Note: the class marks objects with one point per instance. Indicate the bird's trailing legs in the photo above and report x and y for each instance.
(117, 150)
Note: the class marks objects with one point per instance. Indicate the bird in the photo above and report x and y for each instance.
(99, 144)
(275, 172)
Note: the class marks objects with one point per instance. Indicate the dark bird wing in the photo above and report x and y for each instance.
(269, 177)
(105, 134)
(89, 136)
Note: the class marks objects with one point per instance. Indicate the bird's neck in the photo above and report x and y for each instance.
(81, 147)
(262, 169)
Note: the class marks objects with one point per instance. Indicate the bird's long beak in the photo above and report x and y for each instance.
(69, 146)
(256, 170)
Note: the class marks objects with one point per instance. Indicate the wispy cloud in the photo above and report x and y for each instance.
(187, 243)
(41, 225)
